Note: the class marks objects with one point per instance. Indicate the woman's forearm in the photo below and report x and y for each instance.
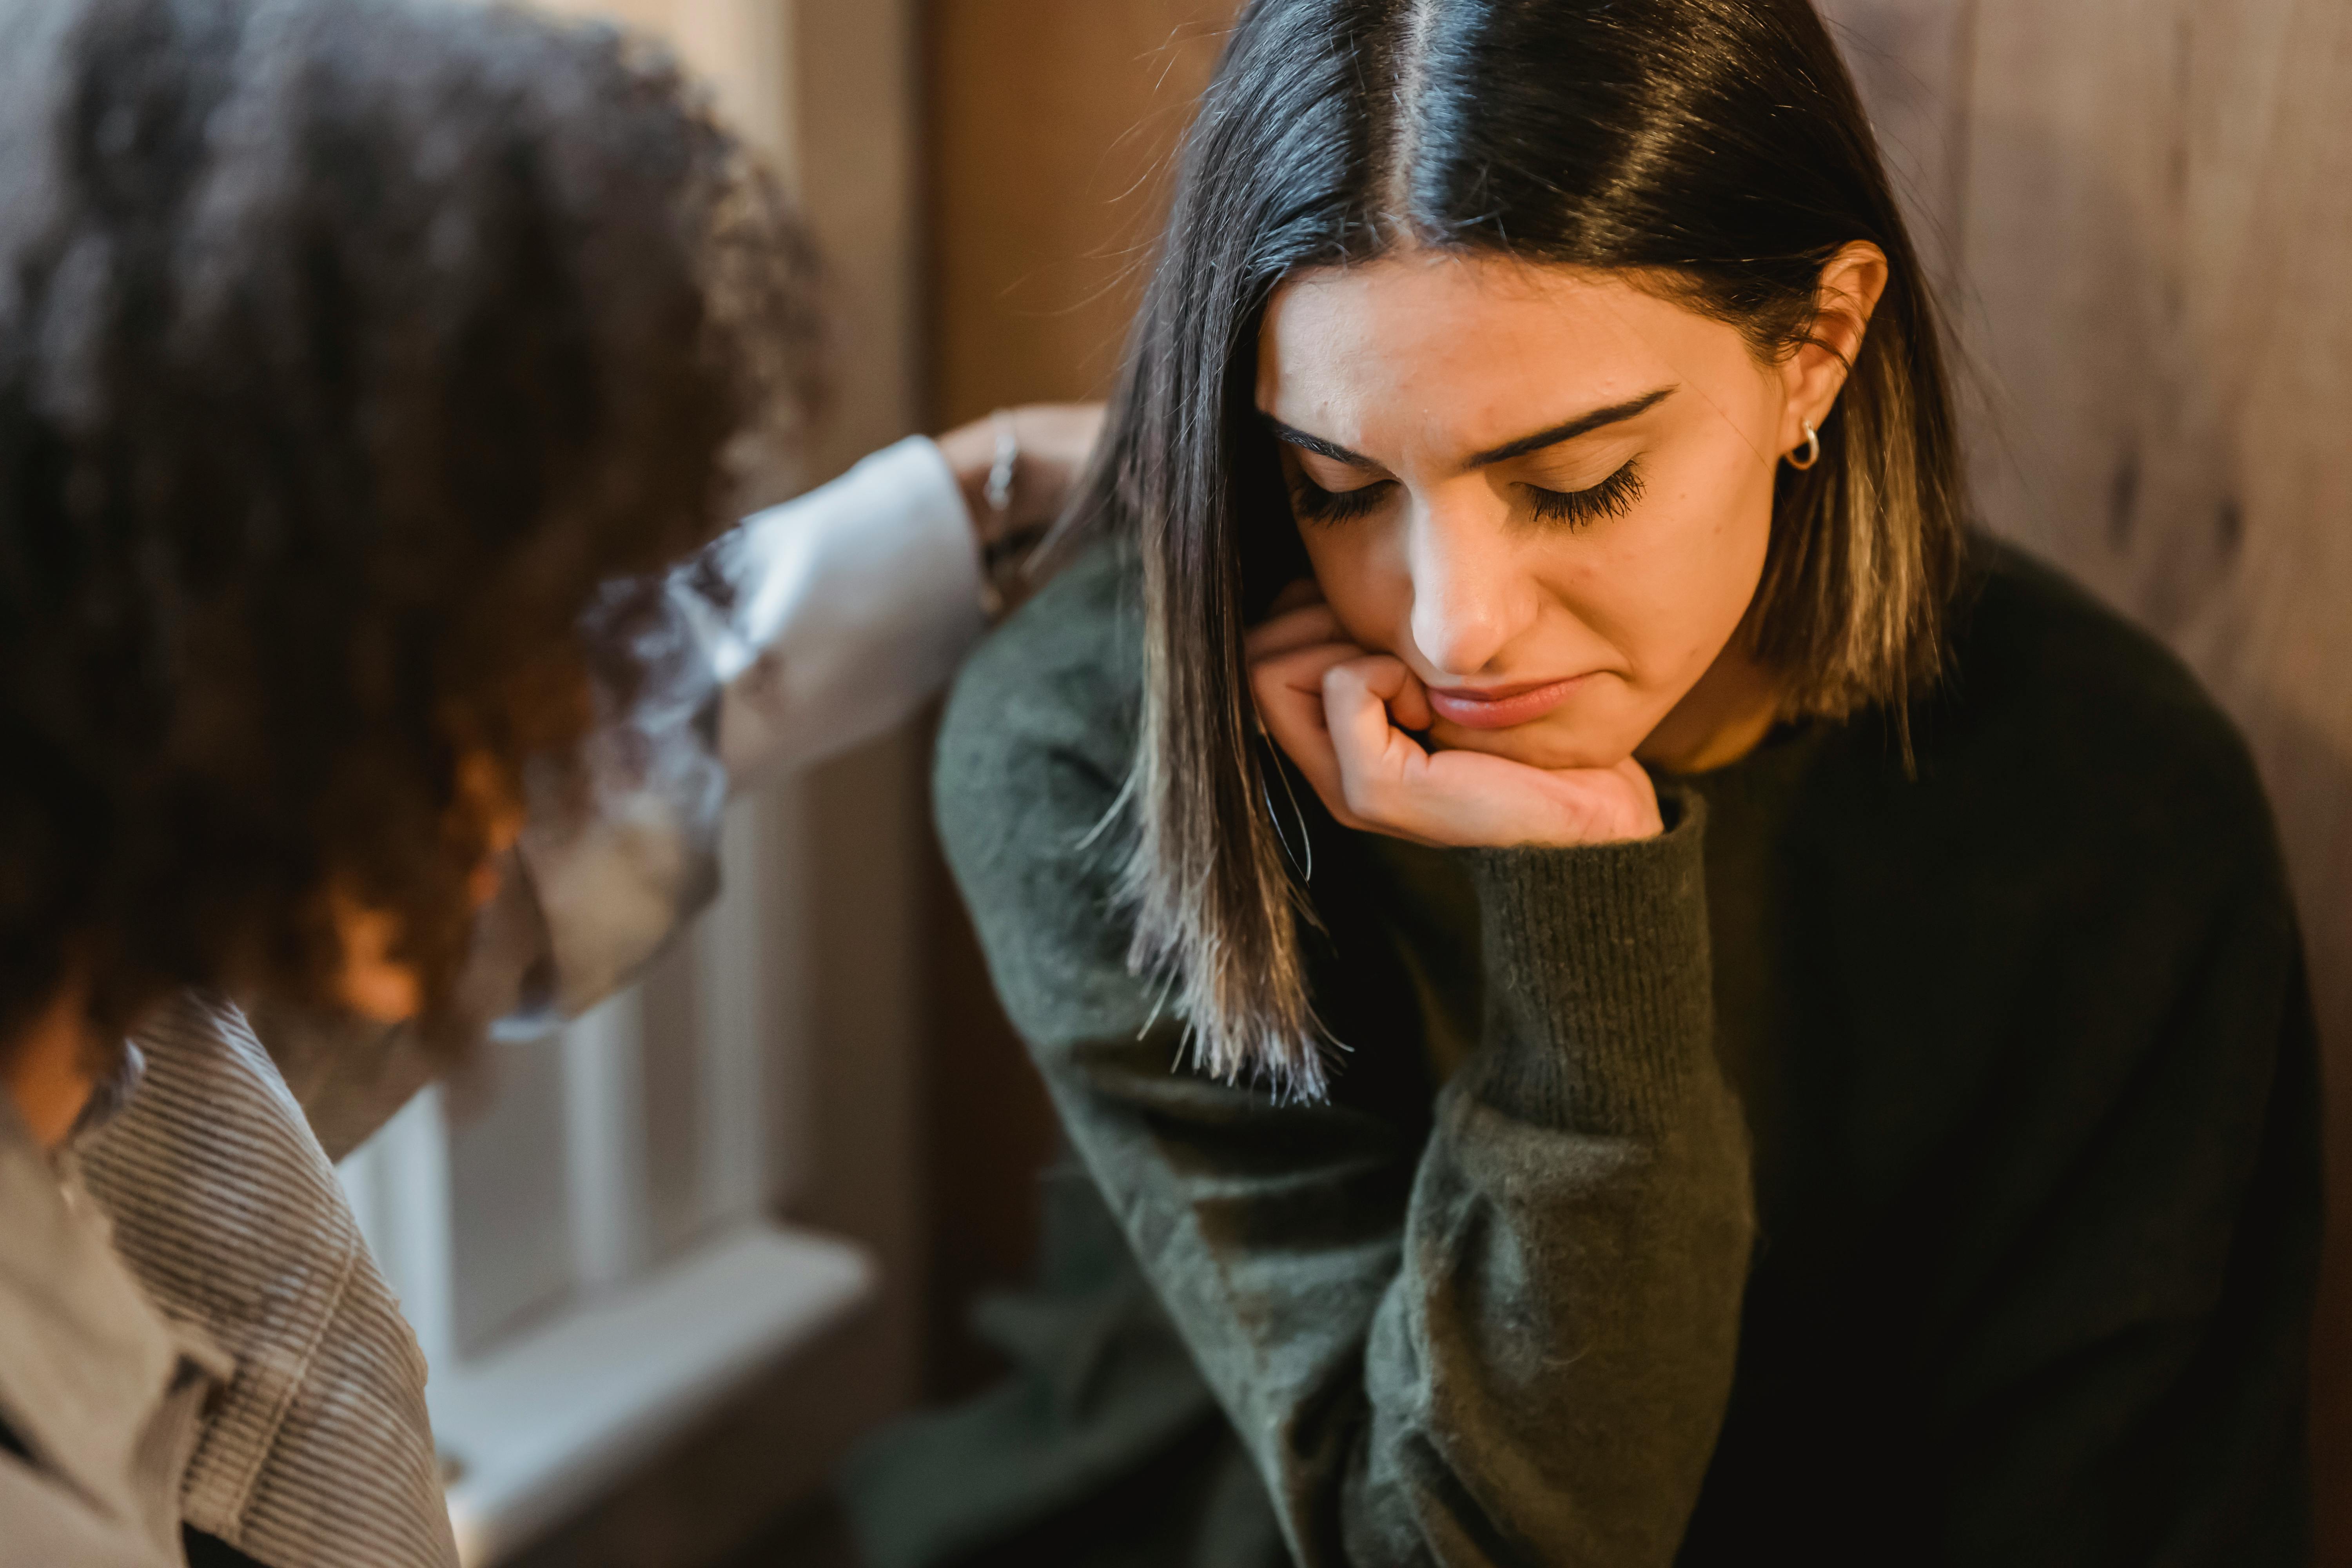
(1546, 1377)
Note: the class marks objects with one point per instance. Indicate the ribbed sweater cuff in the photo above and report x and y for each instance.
(1598, 1005)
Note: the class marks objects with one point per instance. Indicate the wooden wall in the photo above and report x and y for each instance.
(2141, 214)
(1048, 121)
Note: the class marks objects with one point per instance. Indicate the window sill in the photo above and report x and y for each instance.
(538, 1427)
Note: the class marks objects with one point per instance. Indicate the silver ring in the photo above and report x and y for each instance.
(999, 493)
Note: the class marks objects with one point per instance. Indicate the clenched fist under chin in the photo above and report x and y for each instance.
(1341, 714)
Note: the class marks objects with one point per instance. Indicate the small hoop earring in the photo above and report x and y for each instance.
(1812, 450)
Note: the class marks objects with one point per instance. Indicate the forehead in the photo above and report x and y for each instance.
(1484, 346)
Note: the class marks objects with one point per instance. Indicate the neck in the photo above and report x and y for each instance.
(46, 1068)
(1719, 721)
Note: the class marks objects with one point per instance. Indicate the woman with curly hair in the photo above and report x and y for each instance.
(365, 371)
(1636, 993)
(345, 350)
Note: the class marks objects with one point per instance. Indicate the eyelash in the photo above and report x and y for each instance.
(1612, 497)
(1313, 503)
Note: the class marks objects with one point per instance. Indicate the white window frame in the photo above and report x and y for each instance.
(637, 1343)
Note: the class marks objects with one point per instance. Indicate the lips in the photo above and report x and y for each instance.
(1500, 707)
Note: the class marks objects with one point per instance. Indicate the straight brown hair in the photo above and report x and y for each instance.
(1713, 149)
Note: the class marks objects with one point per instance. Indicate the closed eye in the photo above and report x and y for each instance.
(1612, 497)
(1313, 503)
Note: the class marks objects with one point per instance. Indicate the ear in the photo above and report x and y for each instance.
(1850, 285)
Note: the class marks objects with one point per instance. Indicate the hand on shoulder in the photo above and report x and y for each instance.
(1038, 450)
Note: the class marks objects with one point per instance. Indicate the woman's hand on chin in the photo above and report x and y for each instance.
(1342, 715)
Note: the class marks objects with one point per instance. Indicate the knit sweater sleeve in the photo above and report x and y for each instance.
(1507, 1336)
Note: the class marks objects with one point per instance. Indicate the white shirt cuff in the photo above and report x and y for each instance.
(853, 604)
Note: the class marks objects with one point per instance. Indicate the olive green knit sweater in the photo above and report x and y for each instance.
(2020, 1268)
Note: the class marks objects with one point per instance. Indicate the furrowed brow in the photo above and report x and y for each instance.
(1582, 424)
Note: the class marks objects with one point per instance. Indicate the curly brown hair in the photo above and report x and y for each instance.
(346, 347)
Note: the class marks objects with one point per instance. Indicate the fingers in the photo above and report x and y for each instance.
(1342, 715)
(1388, 783)
(1050, 445)
(1059, 436)
(1385, 681)
(1288, 687)
(1374, 760)
(1328, 705)
(1355, 706)
(1288, 690)
(1289, 654)
(1410, 707)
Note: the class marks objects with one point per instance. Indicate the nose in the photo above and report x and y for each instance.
(1470, 596)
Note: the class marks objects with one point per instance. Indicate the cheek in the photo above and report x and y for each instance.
(1731, 556)
(1678, 584)
(1364, 579)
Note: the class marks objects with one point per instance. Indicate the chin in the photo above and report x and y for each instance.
(1548, 743)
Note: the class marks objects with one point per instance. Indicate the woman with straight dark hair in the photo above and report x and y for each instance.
(1637, 992)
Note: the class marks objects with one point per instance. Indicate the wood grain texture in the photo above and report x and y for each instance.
(2142, 213)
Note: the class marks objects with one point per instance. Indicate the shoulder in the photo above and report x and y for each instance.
(2031, 642)
(1040, 727)
(1032, 766)
(2038, 660)
(2070, 716)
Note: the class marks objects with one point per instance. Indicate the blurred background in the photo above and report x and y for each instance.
(669, 1264)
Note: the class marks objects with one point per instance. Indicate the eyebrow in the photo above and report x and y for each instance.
(1567, 430)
